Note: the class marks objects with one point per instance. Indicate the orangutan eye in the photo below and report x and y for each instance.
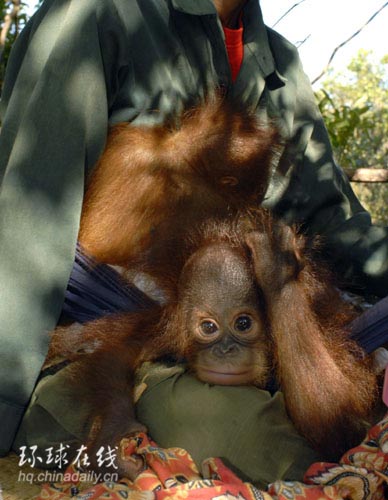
(208, 327)
(243, 323)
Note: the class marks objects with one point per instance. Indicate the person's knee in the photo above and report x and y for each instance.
(245, 426)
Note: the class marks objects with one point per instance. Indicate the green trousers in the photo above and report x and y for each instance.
(247, 427)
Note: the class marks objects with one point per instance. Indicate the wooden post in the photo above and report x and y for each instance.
(367, 174)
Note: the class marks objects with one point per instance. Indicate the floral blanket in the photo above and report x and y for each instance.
(170, 474)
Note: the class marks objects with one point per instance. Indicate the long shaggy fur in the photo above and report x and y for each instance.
(152, 187)
(152, 183)
(327, 381)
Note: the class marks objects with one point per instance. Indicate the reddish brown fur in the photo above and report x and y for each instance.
(328, 385)
(153, 183)
(151, 189)
(104, 357)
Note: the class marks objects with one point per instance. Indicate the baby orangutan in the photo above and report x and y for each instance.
(248, 304)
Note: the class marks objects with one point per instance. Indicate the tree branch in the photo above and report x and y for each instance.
(325, 69)
(299, 43)
(287, 12)
(367, 174)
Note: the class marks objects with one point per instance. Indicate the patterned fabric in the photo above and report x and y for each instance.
(170, 474)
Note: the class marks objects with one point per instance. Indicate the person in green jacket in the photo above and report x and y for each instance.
(81, 65)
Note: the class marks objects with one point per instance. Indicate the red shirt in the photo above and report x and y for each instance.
(234, 48)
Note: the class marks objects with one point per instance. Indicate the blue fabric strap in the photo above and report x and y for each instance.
(95, 290)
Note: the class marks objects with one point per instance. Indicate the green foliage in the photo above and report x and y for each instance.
(16, 27)
(355, 108)
(354, 105)
(373, 196)
(342, 122)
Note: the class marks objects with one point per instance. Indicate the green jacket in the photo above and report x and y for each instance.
(80, 64)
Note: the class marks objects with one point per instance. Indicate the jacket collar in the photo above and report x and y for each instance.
(255, 34)
(195, 7)
(256, 40)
